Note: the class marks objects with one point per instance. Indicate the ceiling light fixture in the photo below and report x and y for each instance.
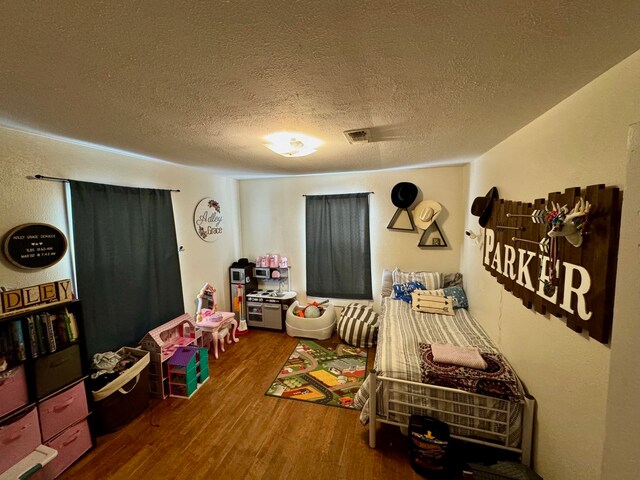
(292, 144)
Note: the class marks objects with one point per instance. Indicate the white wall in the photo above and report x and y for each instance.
(25, 201)
(622, 438)
(582, 141)
(273, 218)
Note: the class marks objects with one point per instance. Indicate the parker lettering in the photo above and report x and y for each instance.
(520, 266)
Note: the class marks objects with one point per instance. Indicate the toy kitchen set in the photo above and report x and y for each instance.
(267, 284)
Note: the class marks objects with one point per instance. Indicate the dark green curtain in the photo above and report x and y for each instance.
(338, 251)
(127, 265)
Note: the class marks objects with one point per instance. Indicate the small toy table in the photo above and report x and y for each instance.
(221, 326)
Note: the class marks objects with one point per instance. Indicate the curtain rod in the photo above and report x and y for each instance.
(368, 193)
(58, 179)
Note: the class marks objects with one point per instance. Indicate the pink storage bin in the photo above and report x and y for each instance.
(18, 438)
(70, 444)
(62, 410)
(13, 391)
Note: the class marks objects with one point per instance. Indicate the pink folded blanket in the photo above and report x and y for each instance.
(455, 355)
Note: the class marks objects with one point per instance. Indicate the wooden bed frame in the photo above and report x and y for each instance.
(420, 397)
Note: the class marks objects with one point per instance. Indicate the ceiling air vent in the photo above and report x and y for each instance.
(360, 135)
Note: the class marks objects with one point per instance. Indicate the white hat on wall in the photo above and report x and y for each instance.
(425, 213)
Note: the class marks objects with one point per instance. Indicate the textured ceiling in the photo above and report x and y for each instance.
(200, 83)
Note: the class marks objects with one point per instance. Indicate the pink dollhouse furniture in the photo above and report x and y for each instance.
(220, 326)
(162, 342)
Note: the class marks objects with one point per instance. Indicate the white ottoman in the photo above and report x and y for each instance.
(320, 328)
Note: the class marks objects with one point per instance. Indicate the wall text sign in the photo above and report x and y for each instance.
(207, 220)
(25, 299)
(582, 289)
(34, 245)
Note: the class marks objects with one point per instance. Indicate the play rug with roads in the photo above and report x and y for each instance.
(321, 372)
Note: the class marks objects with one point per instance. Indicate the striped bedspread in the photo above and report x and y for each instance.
(398, 354)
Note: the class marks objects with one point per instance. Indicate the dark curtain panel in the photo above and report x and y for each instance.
(126, 262)
(338, 252)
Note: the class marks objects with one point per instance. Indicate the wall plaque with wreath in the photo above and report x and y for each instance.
(207, 220)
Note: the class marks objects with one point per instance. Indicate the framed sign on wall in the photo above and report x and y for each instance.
(34, 245)
(207, 220)
(559, 260)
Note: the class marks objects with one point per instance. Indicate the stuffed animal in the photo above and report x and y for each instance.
(312, 310)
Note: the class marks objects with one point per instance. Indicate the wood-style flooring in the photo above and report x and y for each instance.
(230, 430)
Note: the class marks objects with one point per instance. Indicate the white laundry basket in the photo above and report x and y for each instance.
(319, 328)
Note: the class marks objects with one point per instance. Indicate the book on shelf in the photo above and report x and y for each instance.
(18, 340)
(72, 325)
(6, 351)
(62, 335)
(50, 331)
(41, 334)
(33, 336)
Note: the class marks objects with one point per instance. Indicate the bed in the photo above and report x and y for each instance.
(407, 381)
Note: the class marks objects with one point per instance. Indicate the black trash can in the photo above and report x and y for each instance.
(429, 449)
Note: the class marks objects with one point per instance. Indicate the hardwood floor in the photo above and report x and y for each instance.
(230, 429)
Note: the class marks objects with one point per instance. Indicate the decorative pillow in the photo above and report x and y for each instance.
(459, 297)
(402, 291)
(358, 325)
(431, 280)
(423, 302)
(452, 280)
(386, 288)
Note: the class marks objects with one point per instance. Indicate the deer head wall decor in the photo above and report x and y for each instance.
(569, 224)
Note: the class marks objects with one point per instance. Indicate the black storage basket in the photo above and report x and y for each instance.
(429, 447)
(122, 400)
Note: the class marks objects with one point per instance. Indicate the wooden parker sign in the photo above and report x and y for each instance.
(559, 255)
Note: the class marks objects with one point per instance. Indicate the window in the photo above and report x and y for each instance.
(338, 251)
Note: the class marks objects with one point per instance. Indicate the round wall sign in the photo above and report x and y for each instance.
(207, 220)
(34, 245)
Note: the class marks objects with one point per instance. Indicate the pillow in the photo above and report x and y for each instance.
(431, 280)
(387, 282)
(459, 297)
(358, 325)
(425, 303)
(402, 291)
(452, 280)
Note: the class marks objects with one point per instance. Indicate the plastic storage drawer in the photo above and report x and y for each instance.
(184, 389)
(13, 391)
(57, 370)
(19, 436)
(70, 444)
(63, 410)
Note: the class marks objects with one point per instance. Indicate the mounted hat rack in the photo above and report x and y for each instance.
(423, 217)
(402, 196)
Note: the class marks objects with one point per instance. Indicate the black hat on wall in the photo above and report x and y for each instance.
(481, 206)
(404, 194)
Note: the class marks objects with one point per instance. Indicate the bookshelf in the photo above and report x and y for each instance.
(43, 372)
